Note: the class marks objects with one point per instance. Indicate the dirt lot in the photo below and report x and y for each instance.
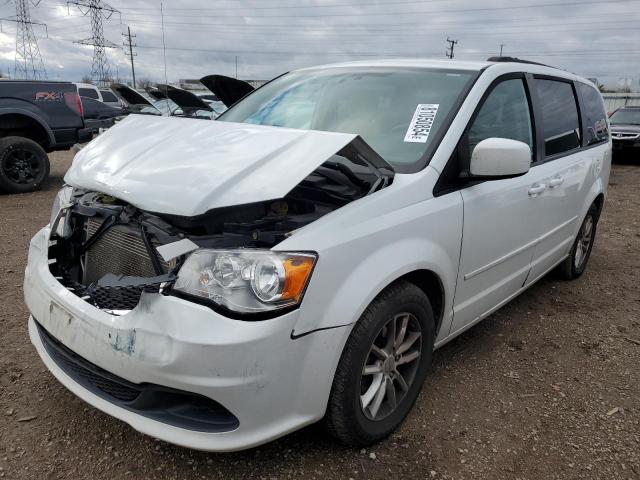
(547, 388)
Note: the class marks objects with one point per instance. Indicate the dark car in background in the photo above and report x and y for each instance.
(625, 131)
(100, 115)
(36, 117)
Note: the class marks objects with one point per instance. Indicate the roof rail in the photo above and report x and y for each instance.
(515, 60)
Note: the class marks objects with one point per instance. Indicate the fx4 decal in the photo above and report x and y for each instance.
(48, 96)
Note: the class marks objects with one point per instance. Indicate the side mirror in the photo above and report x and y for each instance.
(496, 158)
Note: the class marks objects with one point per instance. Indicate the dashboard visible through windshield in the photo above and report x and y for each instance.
(397, 111)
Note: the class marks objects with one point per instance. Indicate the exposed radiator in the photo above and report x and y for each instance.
(117, 251)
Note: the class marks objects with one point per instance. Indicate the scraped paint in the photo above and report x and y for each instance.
(124, 343)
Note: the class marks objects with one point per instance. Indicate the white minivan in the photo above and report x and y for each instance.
(220, 284)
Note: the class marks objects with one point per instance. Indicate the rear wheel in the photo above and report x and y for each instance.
(382, 367)
(24, 165)
(576, 263)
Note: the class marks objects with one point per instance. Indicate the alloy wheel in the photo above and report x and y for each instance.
(585, 237)
(21, 166)
(391, 365)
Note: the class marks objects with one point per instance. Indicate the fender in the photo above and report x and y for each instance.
(32, 116)
(600, 169)
(365, 283)
(425, 235)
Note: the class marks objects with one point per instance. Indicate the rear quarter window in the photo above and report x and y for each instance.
(560, 120)
(594, 115)
(88, 92)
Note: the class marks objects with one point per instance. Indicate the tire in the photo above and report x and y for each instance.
(576, 263)
(24, 165)
(347, 418)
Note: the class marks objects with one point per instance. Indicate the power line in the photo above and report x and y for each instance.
(127, 43)
(97, 10)
(286, 7)
(219, 13)
(28, 60)
(431, 31)
(147, 10)
(382, 54)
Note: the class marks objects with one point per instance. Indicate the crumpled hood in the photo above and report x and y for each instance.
(186, 167)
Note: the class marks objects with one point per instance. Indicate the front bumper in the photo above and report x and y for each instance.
(271, 383)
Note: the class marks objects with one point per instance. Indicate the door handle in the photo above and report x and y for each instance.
(556, 182)
(536, 189)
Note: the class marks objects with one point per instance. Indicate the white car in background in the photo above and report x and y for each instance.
(220, 284)
(104, 95)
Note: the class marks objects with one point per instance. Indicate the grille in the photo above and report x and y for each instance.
(118, 251)
(625, 135)
(89, 375)
(113, 298)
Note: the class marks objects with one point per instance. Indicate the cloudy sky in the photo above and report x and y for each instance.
(592, 38)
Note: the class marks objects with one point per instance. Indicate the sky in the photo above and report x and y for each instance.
(598, 39)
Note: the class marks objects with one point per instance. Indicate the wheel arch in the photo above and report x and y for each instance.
(22, 123)
(431, 285)
(599, 202)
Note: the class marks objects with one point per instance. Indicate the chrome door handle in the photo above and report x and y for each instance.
(536, 189)
(556, 182)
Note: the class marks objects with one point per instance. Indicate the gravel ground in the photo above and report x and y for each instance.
(546, 388)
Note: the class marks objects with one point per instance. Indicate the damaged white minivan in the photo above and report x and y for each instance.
(220, 284)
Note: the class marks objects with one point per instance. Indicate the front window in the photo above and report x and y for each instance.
(626, 117)
(504, 114)
(398, 111)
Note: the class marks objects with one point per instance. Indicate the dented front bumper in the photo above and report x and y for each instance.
(271, 383)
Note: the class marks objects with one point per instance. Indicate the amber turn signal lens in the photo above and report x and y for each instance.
(297, 271)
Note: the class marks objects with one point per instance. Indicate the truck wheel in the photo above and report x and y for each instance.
(382, 367)
(24, 165)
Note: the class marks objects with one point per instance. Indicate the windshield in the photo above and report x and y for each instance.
(626, 117)
(398, 111)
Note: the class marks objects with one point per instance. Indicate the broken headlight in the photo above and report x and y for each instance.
(247, 281)
(59, 221)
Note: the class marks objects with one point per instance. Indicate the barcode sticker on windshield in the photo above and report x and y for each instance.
(421, 123)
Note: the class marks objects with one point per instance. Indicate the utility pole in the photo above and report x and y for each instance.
(127, 43)
(28, 61)
(97, 10)
(501, 47)
(452, 44)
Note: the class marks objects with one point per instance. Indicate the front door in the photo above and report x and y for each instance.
(502, 218)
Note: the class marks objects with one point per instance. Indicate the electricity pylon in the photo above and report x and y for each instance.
(97, 10)
(28, 61)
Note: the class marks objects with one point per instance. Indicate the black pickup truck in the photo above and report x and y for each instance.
(36, 117)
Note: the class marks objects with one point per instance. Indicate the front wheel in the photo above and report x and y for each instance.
(382, 367)
(576, 263)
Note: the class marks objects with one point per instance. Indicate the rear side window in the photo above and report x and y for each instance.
(560, 121)
(504, 114)
(88, 92)
(595, 117)
(108, 97)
